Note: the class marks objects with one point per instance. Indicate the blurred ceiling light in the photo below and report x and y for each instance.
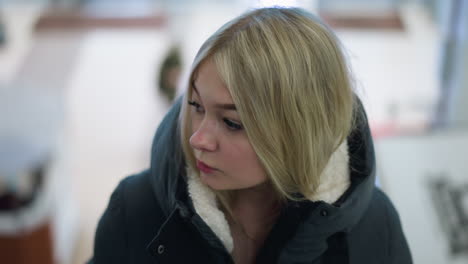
(108, 8)
(267, 3)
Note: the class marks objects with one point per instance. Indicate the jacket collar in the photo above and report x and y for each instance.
(334, 181)
(169, 183)
(167, 163)
(325, 220)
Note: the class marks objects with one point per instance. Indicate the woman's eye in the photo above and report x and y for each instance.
(197, 106)
(232, 125)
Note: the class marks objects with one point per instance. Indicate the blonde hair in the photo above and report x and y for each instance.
(288, 78)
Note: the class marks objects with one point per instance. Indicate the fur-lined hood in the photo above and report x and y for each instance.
(334, 182)
(343, 195)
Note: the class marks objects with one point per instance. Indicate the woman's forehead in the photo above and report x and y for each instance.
(208, 84)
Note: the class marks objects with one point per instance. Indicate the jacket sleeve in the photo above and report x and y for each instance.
(398, 246)
(110, 242)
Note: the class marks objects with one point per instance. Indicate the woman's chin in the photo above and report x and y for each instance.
(213, 182)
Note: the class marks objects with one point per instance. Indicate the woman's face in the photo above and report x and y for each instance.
(225, 157)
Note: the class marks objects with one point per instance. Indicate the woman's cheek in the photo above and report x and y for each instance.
(195, 120)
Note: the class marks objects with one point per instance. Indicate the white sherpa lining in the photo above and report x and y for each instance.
(204, 201)
(333, 183)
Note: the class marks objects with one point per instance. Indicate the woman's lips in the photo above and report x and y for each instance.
(204, 168)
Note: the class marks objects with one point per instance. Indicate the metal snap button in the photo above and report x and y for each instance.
(160, 249)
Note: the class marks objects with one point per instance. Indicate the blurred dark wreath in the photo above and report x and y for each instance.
(170, 73)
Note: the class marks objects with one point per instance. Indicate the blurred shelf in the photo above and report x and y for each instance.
(378, 21)
(80, 19)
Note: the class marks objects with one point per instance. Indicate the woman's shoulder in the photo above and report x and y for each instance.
(381, 205)
(134, 197)
(129, 222)
(135, 187)
(380, 232)
(380, 212)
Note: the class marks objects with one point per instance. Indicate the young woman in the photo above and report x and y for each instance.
(266, 159)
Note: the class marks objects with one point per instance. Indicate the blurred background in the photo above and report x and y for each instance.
(85, 83)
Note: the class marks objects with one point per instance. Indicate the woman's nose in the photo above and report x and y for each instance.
(204, 137)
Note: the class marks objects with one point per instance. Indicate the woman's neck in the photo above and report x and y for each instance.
(256, 209)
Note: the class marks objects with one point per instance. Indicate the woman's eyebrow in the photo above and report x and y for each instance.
(226, 106)
(231, 107)
(195, 88)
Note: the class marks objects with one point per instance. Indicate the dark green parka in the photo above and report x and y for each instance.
(151, 218)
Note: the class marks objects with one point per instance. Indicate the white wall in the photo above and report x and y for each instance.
(406, 166)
